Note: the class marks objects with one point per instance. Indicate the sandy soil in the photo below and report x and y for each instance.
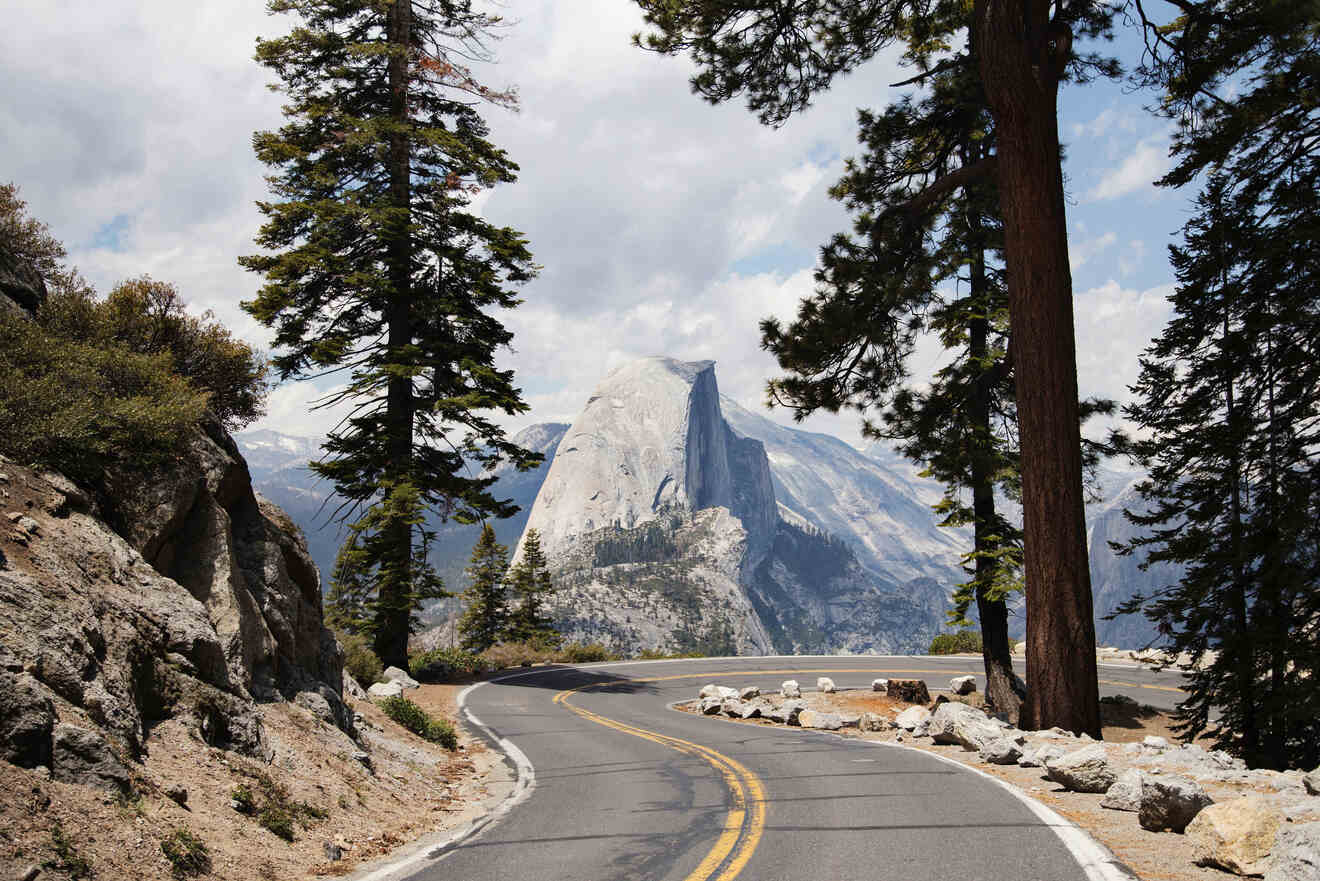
(413, 788)
(1152, 856)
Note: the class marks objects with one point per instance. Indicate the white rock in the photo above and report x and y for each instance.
(1001, 751)
(723, 692)
(385, 689)
(1170, 802)
(825, 685)
(710, 690)
(1296, 854)
(1036, 758)
(962, 684)
(749, 692)
(1312, 782)
(1236, 836)
(1083, 770)
(822, 721)
(711, 705)
(1150, 741)
(1125, 794)
(790, 688)
(394, 674)
(880, 685)
(912, 717)
(966, 726)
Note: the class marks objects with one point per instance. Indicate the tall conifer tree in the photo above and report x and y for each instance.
(780, 55)
(485, 620)
(531, 585)
(375, 266)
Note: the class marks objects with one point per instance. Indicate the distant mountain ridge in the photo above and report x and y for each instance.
(871, 507)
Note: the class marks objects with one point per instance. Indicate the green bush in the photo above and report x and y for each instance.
(586, 653)
(67, 858)
(445, 663)
(271, 803)
(657, 655)
(964, 641)
(79, 408)
(278, 819)
(359, 659)
(187, 853)
(419, 722)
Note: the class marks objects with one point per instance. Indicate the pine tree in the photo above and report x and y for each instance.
(485, 620)
(1229, 395)
(531, 585)
(346, 608)
(376, 266)
(780, 56)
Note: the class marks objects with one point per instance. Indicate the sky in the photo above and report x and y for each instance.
(664, 225)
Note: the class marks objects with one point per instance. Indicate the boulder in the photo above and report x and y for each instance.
(912, 717)
(1236, 836)
(732, 707)
(1311, 782)
(749, 692)
(913, 691)
(752, 709)
(880, 685)
(710, 706)
(819, 720)
(385, 689)
(1150, 741)
(1125, 794)
(1170, 802)
(1296, 855)
(317, 705)
(352, 688)
(825, 685)
(790, 688)
(874, 722)
(1036, 758)
(1083, 770)
(962, 684)
(22, 289)
(394, 674)
(709, 690)
(1002, 750)
(792, 710)
(177, 793)
(966, 726)
(27, 716)
(82, 756)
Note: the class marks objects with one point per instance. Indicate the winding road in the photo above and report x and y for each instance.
(612, 784)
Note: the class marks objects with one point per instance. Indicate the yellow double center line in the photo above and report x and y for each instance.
(744, 823)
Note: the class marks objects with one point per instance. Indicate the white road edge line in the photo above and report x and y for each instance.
(522, 789)
(1096, 860)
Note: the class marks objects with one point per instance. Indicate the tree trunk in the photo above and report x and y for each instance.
(393, 597)
(1020, 60)
(1001, 685)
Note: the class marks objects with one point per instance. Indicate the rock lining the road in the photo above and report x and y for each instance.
(1159, 782)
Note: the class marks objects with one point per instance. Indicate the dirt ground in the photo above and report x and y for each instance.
(412, 788)
(1152, 856)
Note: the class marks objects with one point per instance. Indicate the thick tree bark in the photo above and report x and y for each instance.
(1020, 60)
(394, 610)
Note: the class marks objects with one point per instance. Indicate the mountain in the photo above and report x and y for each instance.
(675, 519)
(840, 552)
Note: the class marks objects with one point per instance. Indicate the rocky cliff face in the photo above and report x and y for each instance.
(187, 596)
(662, 521)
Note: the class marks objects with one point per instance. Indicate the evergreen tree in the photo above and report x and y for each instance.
(780, 56)
(1229, 395)
(376, 266)
(531, 585)
(485, 621)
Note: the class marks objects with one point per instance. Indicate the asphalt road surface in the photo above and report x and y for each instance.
(622, 787)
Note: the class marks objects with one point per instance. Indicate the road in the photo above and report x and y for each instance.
(622, 787)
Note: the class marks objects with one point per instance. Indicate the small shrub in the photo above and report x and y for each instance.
(657, 655)
(187, 853)
(445, 663)
(586, 653)
(242, 797)
(278, 820)
(964, 641)
(514, 654)
(359, 659)
(419, 722)
(67, 859)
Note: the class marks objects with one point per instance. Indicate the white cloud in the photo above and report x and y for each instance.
(1144, 163)
(1114, 325)
(1081, 252)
